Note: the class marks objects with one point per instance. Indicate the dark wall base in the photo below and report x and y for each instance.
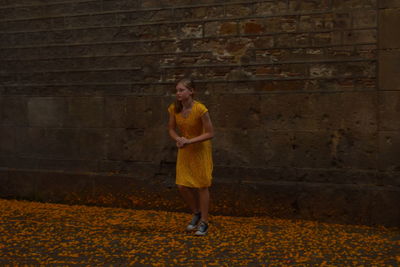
(336, 203)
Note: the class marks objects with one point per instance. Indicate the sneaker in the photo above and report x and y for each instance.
(202, 229)
(195, 221)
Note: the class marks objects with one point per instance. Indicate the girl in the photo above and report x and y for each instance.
(194, 163)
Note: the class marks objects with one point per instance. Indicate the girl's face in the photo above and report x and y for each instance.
(182, 92)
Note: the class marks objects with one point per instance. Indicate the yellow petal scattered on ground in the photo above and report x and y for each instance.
(53, 234)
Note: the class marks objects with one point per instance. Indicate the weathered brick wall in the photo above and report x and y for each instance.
(303, 94)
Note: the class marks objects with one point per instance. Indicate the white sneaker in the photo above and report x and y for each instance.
(195, 221)
(202, 229)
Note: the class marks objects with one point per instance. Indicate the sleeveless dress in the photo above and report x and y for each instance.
(194, 162)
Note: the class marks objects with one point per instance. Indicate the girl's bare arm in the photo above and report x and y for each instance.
(208, 130)
(172, 128)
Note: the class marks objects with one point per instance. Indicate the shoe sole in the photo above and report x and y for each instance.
(200, 234)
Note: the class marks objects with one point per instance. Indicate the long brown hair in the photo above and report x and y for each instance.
(189, 84)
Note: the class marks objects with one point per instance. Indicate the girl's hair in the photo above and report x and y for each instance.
(189, 84)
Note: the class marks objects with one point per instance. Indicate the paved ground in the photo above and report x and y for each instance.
(62, 235)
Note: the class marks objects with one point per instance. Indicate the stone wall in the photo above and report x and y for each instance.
(304, 96)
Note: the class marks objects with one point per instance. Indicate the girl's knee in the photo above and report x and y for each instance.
(182, 187)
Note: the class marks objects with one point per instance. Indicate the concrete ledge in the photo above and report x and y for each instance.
(336, 203)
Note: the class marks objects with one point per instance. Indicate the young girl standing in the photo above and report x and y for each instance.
(194, 163)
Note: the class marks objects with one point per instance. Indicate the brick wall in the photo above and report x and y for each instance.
(303, 94)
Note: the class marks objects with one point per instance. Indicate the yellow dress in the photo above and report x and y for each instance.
(194, 163)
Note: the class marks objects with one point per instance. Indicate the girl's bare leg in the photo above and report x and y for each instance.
(190, 197)
(204, 197)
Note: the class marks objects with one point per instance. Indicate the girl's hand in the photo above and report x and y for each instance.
(181, 142)
(178, 144)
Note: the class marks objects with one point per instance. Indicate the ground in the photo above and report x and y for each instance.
(62, 235)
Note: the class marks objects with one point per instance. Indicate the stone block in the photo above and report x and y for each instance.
(300, 112)
(28, 12)
(204, 12)
(111, 5)
(355, 150)
(310, 5)
(365, 18)
(140, 170)
(389, 178)
(389, 65)
(165, 15)
(237, 111)
(281, 24)
(217, 28)
(311, 112)
(359, 111)
(316, 22)
(263, 42)
(115, 111)
(25, 25)
(92, 144)
(352, 4)
(252, 148)
(9, 161)
(116, 139)
(388, 22)
(48, 143)
(85, 7)
(279, 71)
(389, 151)
(191, 30)
(269, 8)
(37, 38)
(58, 23)
(143, 145)
(85, 112)
(7, 141)
(58, 9)
(389, 3)
(322, 39)
(367, 51)
(383, 207)
(127, 18)
(360, 37)
(9, 79)
(337, 176)
(18, 185)
(342, 20)
(168, 31)
(254, 27)
(242, 10)
(146, 112)
(247, 174)
(66, 165)
(338, 149)
(97, 35)
(310, 150)
(147, 145)
(292, 40)
(90, 21)
(164, 3)
(14, 110)
(389, 111)
(47, 111)
(47, 52)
